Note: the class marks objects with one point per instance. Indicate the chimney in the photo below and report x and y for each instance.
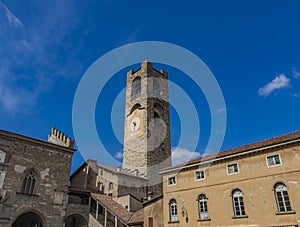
(59, 138)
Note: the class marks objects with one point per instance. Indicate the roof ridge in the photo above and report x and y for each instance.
(243, 148)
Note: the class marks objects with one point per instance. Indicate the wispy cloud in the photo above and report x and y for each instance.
(119, 155)
(279, 82)
(12, 19)
(296, 74)
(181, 155)
(34, 57)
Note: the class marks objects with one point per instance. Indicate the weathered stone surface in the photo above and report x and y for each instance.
(148, 148)
(50, 165)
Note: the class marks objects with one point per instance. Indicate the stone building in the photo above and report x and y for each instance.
(34, 178)
(122, 186)
(252, 185)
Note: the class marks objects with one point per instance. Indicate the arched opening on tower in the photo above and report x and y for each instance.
(135, 107)
(156, 86)
(136, 88)
(29, 219)
(158, 108)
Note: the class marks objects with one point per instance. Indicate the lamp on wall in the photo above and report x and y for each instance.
(184, 212)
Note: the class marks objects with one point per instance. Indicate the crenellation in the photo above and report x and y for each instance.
(58, 137)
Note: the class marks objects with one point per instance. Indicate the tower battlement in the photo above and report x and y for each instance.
(58, 137)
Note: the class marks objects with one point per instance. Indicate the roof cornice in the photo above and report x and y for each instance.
(230, 156)
(29, 140)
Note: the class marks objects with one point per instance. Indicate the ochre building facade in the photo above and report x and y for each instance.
(252, 185)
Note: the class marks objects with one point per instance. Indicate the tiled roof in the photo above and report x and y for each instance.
(137, 216)
(239, 150)
(118, 170)
(114, 207)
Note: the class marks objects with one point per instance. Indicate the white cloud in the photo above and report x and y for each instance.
(296, 74)
(181, 155)
(119, 155)
(279, 82)
(12, 19)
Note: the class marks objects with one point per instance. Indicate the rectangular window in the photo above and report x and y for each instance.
(150, 221)
(172, 180)
(273, 160)
(233, 168)
(200, 175)
(2, 156)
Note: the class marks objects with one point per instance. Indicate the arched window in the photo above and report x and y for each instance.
(238, 203)
(136, 87)
(29, 183)
(173, 210)
(202, 207)
(282, 198)
(110, 186)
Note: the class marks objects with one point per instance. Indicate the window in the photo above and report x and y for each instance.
(273, 160)
(136, 87)
(150, 222)
(28, 183)
(202, 207)
(2, 156)
(110, 186)
(101, 187)
(200, 175)
(172, 180)
(282, 198)
(238, 203)
(2, 176)
(233, 168)
(173, 210)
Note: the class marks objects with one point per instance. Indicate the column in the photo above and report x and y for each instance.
(105, 217)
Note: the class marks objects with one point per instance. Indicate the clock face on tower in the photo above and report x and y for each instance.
(135, 124)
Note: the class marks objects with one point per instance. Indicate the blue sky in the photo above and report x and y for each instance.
(252, 48)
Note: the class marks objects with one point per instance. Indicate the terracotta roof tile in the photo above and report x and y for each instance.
(137, 216)
(112, 206)
(241, 149)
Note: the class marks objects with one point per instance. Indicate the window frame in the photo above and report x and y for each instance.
(273, 156)
(204, 175)
(29, 183)
(284, 197)
(175, 181)
(227, 169)
(136, 87)
(173, 210)
(202, 205)
(238, 204)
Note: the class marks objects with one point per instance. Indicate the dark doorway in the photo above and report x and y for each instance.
(29, 219)
(75, 220)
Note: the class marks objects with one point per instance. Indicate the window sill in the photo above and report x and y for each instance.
(242, 216)
(206, 219)
(285, 213)
(21, 193)
(173, 222)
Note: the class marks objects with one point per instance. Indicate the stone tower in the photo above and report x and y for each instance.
(147, 145)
